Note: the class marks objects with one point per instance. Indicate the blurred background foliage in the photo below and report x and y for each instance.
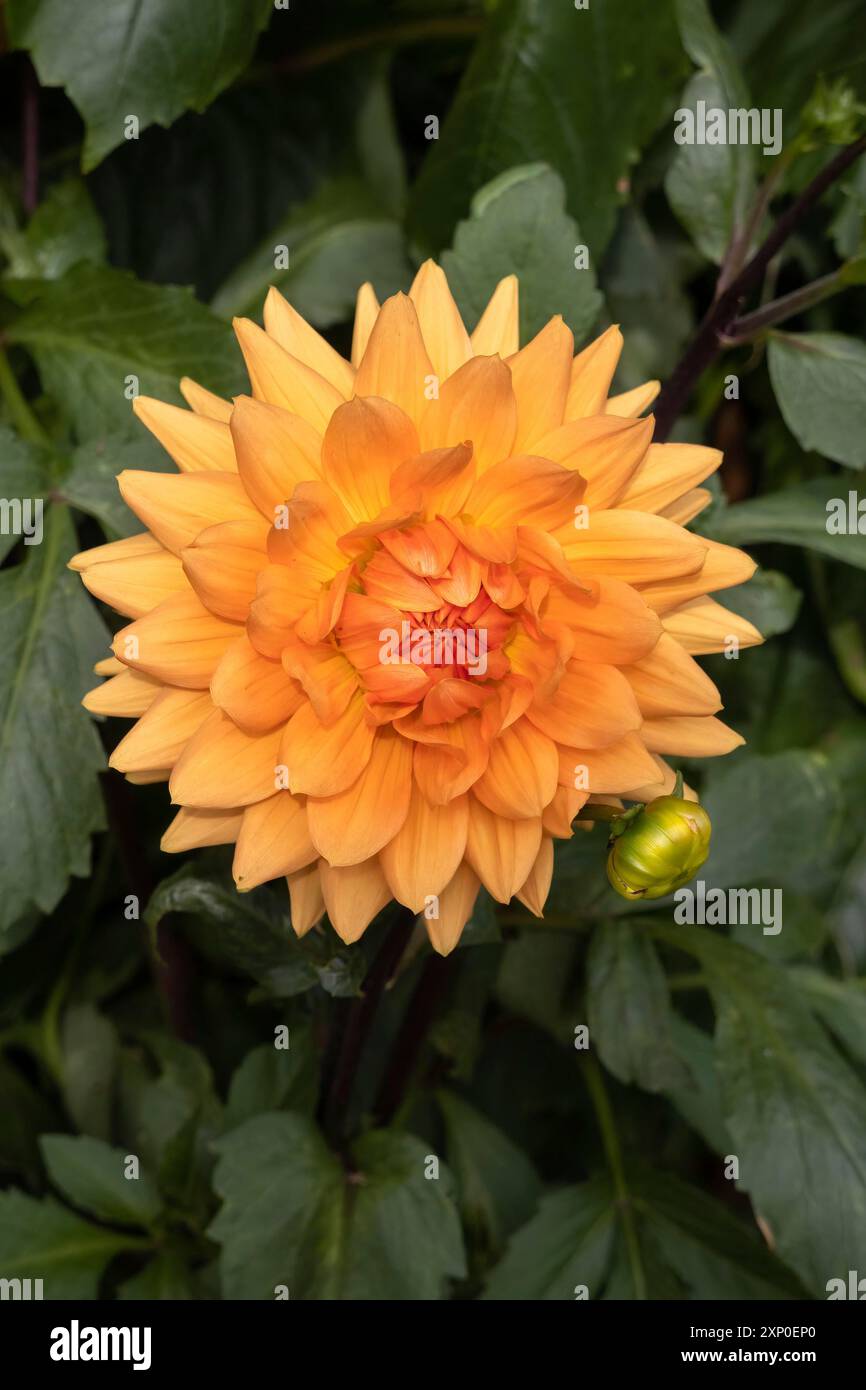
(139, 999)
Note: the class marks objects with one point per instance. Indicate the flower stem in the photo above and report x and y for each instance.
(19, 410)
(604, 1115)
(709, 339)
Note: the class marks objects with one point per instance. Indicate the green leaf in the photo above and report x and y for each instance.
(96, 327)
(537, 980)
(840, 1005)
(544, 82)
(769, 600)
(272, 1078)
(797, 516)
(710, 187)
(784, 43)
(89, 1055)
(24, 476)
(336, 240)
(292, 1216)
(252, 932)
(820, 384)
(49, 751)
(568, 1244)
(64, 229)
(518, 226)
(497, 1185)
(150, 59)
(42, 1240)
(794, 1109)
(91, 482)
(26, 1114)
(697, 1096)
(643, 284)
(165, 1277)
(629, 1008)
(91, 1175)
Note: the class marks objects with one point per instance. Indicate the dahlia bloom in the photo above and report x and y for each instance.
(394, 621)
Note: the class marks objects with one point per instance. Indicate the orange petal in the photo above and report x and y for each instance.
(612, 626)
(197, 443)
(593, 706)
(276, 450)
(223, 767)
(455, 906)
(223, 563)
(444, 334)
(179, 642)
(281, 379)
(521, 775)
(534, 892)
(135, 587)
(449, 758)
(562, 810)
(353, 896)
(308, 904)
(477, 404)
(723, 567)
(193, 829)
(526, 490)
(669, 681)
(286, 326)
(131, 548)
(274, 840)
(176, 507)
(687, 507)
(605, 450)
(327, 676)
(356, 823)
(365, 442)
(326, 759)
(254, 692)
(425, 854)
(591, 374)
(395, 364)
(596, 771)
(540, 375)
(161, 735)
(501, 851)
(498, 329)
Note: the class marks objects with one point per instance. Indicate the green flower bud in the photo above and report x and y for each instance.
(658, 849)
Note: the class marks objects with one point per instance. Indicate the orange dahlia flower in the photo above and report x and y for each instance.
(396, 620)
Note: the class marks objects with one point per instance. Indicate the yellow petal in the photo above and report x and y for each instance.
(273, 841)
(592, 707)
(476, 404)
(666, 473)
(425, 854)
(135, 587)
(365, 442)
(605, 450)
(521, 775)
(162, 733)
(613, 769)
(396, 364)
(176, 507)
(591, 374)
(223, 767)
(540, 376)
(109, 666)
(723, 567)
(366, 313)
(197, 443)
(498, 329)
(442, 328)
(127, 694)
(690, 737)
(286, 326)
(353, 896)
(131, 548)
(634, 547)
(633, 403)
(281, 379)
(669, 681)
(687, 507)
(204, 402)
(179, 642)
(276, 450)
(223, 564)
(702, 626)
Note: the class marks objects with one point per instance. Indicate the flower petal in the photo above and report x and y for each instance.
(204, 402)
(702, 626)
(591, 374)
(281, 379)
(594, 706)
(274, 840)
(445, 336)
(498, 329)
(355, 824)
(222, 767)
(135, 586)
(501, 851)
(395, 364)
(668, 681)
(353, 896)
(163, 732)
(197, 443)
(308, 904)
(254, 691)
(176, 507)
(194, 829)
(689, 736)
(522, 772)
(276, 450)
(286, 326)
(365, 442)
(540, 374)
(326, 759)
(423, 857)
(179, 642)
(223, 564)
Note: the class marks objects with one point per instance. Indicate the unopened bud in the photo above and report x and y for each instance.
(658, 850)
